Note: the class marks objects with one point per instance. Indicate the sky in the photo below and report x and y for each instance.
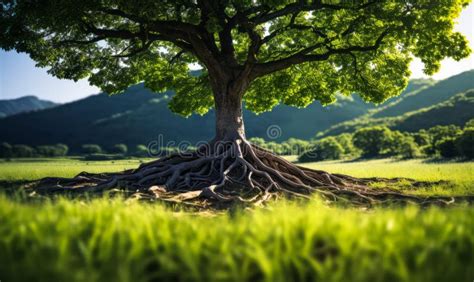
(19, 76)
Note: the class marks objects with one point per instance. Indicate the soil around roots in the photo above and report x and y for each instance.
(222, 174)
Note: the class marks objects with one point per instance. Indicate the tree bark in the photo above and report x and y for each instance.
(229, 118)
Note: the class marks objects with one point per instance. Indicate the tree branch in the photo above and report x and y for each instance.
(134, 52)
(302, 7)
(177, 26)
(176, 32)
(304, 56)
(80, 42)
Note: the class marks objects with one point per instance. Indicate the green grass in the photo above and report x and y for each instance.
(460, 174)
(125, 240)
(28, 169)
(31, 169)
(418, 169)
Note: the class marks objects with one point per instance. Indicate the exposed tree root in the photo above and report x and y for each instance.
(226, 173)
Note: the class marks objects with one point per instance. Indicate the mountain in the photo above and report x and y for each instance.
(428, 95)
(446, 102)
(23, 104)
(139, 116)
(456, 110)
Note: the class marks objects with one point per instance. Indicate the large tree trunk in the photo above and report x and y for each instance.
(229, 118)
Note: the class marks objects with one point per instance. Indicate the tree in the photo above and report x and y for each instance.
(465, 143)
(45, 151)
(439, 133)
(6, 150)
(469, 124)
(447, 148)
(120, 149)
(259, 52)
(422, 138)
(89, 149)
(373, 141)
(141, 151)
(325, 149)
(407, 148)
(345, 140)
(61, 149)
(22, 151)
(257, 141)
(57, 150)
(402, 144)
(274, 147)
(296, 146)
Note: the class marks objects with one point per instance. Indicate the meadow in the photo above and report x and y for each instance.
(126, 240)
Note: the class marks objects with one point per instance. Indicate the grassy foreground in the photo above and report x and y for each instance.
(117, 240)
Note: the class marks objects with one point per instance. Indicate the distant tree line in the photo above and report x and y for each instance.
(25, 151)
(88, 151)
(447, 141)
(59, 150)
(94, 151)
(456, 110)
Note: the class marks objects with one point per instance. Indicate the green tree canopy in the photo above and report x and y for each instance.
(373, 141)
(22, 151)
(119, 149)
(91, 149)
(465, 143)
(447, 148)
(469, 124)
(6, 150)
(324, 149)
(141, 151)
(439, 133)
(291, 52)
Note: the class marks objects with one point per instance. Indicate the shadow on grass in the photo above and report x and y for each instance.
(395, 160)
(365, 159)
(22, 192)
(7, 186)
(445, 160)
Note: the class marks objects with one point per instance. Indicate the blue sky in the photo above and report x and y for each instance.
(19, 76)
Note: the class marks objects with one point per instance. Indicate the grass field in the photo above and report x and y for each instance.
(125, 240)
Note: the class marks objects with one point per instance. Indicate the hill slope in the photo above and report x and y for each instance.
(140, 116)
(23, 104)
(428, 96)
(457, 110)
(415, 105)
